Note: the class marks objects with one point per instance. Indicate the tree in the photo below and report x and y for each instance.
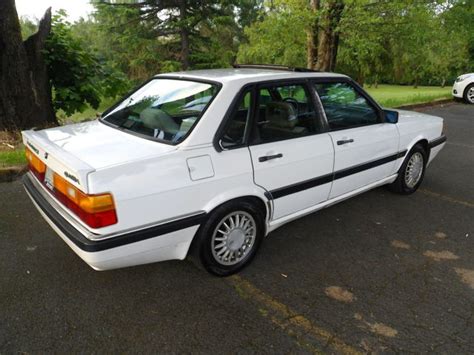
(174, 21)
(319, 21)
(25, 90)
(77, 75)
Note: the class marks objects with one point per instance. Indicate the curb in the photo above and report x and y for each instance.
(12, 173)
(426, 104)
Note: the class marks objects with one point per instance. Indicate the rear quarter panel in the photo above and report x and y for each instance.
(160, 189)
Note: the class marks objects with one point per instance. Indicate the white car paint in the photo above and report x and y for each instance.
(461, 84)
(155, 185)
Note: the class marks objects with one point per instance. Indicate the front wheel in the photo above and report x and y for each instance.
(411, 172)
(469, 94)
(229, 239)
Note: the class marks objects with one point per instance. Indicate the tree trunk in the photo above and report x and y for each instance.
(23, 103)
(328, 35)
(42, 89)
(25, 92)
(312, 36)
(184, 34)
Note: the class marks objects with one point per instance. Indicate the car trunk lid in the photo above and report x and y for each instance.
(74, 151)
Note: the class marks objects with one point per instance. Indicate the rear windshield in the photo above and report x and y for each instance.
(163, 109)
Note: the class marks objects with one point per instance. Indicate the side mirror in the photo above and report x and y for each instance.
(391, 116)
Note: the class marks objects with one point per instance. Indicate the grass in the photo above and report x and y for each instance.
(12, 157)
(398, 95)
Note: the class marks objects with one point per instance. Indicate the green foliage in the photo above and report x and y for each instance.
(279, 38)
(79, 78)
(404, 41)
(28, 27)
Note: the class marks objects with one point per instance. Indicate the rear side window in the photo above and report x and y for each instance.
(237, 125)
(164, 109)
(344, 106)
(284, 112)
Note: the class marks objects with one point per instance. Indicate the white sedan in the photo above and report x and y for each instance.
(207, 163)
(463, 88)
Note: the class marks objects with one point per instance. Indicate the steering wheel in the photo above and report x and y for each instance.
(292, 101)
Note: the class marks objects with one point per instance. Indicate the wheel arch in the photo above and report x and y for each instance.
(254, 197)
(423, 141)
(466, 88)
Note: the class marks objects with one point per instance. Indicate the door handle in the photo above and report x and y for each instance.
(345, 141)
(270, 157)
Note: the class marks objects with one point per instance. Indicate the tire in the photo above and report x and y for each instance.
(244, 224)
(409, 179)
(469, 94)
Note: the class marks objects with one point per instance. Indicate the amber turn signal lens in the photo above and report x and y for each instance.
(35, 162)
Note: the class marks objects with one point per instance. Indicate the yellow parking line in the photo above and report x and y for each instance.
(291, 322)
(447, 198)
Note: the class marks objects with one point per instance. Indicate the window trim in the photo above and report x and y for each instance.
(166, 77)
(233, 107)
(378, 109)
(305, 83)
(228, 116)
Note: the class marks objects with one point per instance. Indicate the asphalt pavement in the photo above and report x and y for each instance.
(377, 273)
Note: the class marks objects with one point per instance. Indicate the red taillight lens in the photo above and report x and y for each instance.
(95, 210)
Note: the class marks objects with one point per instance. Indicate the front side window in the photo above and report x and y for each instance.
(284, 112)
(344, 106)
(164, 109)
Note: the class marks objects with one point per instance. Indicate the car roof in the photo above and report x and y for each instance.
(249, 75)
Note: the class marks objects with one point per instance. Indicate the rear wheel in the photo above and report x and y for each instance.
(230, 238)
(469, 94)
(411, 172)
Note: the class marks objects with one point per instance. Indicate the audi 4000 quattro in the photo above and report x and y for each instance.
(209, 162)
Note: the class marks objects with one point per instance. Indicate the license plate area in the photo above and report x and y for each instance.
(49, 178)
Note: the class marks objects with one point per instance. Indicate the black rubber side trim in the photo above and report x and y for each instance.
(93, 246)
(301, 186)
(437, 141)
(324, 179)
(366, 166)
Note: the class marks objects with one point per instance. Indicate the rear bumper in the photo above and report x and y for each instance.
(158, 243)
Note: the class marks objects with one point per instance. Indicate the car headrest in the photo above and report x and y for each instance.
(281, 114)
(155, 118)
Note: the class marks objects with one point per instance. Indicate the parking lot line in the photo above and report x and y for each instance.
(293, 323)
(446, 198)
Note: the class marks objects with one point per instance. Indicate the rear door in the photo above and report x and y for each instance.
(292, 156)
(366, 148)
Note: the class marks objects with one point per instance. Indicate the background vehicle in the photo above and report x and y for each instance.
(214, 160)
(464, 88)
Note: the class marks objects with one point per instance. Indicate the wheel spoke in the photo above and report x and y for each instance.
(221, 251)
(220, 245)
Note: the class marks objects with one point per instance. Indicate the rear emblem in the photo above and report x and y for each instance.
(71, 177)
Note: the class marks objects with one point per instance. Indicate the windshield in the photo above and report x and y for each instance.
(164, 109)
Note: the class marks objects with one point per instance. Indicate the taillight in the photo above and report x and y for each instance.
(35, 164)
(95, 210)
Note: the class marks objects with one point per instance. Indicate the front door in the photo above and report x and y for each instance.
(365, 148)
(292, 160)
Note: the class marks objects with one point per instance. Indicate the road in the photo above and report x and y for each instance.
(379, 272)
